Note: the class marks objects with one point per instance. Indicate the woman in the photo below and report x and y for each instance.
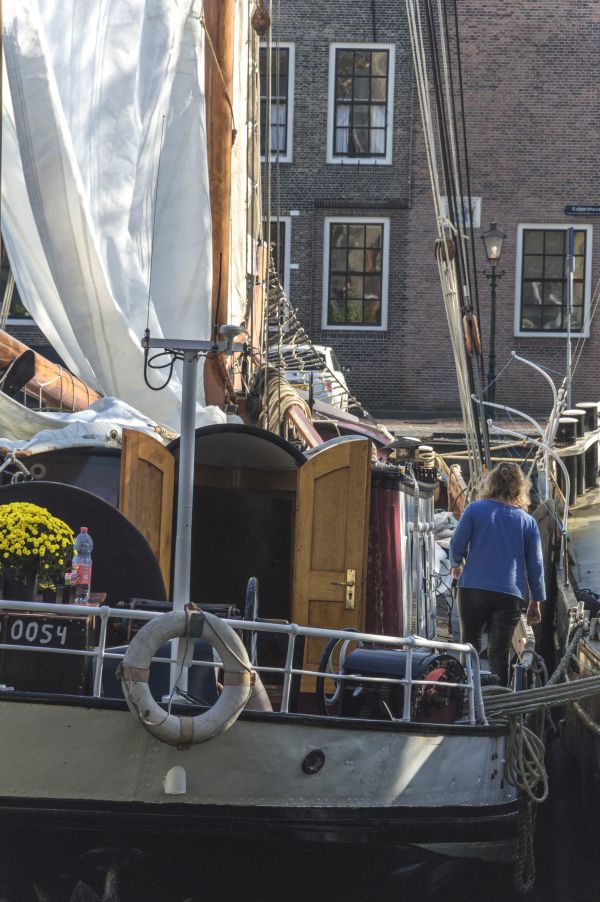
(499, 542)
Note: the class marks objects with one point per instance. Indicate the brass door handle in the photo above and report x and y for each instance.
(349, 584)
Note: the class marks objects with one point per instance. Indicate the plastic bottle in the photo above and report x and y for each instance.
(81, 568)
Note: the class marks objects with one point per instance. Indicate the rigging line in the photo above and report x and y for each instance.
(454, 183)
(278, 184)
(220, 71)
(162, 135)
(460, 224)
(446, 269)
(266, 262)
(466, 153)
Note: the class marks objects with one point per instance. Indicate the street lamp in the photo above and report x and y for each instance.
(493, 241)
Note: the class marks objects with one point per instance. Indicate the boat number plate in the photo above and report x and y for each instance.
(52, 632)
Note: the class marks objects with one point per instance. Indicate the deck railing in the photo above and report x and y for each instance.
(472, 686)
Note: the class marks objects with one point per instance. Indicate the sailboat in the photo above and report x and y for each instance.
(268, 656)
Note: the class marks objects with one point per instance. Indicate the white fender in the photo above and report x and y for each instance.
(134, 673)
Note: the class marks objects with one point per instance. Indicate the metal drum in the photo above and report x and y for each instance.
(566, 433)
(579, 416)
(590, 408)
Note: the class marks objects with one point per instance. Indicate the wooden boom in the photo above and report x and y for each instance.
(49, 382)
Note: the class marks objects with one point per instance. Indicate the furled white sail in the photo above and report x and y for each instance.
(105, 182)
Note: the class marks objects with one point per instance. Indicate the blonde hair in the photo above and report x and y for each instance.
(507, 482)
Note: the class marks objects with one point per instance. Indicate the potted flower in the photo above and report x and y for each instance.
(34, 548)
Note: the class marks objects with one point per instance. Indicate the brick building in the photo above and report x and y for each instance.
(532, 115)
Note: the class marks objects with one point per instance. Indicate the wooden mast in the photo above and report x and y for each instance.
(219, 18)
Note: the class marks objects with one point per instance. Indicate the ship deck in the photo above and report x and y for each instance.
(584, 529)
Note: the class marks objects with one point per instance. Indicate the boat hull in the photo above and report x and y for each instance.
(415, 787)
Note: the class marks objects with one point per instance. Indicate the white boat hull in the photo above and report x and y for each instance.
(437, 789)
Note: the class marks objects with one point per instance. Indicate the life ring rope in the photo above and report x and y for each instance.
(238, 677)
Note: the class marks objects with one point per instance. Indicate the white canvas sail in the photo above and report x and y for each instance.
(105, 182)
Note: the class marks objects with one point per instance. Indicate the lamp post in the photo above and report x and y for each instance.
(493, 241)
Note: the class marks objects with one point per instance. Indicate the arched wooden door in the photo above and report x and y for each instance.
(331, 541)
(146, 493)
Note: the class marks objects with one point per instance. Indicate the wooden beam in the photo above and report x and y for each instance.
(219, 17)
(51, 383)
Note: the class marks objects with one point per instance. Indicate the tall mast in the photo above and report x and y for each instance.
(219, 16)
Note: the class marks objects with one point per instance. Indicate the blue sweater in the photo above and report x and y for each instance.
(499, 543)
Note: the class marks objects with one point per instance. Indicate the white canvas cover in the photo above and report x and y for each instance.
(105, 183)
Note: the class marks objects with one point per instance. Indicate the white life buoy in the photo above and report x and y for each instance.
(134, 673)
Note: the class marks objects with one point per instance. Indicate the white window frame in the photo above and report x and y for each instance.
(385, 258)
(286, 157)
(541, 226)
(361, 161)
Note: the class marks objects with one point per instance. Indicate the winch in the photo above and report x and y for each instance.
(433, 702)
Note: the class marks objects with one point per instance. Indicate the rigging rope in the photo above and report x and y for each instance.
(450, 240)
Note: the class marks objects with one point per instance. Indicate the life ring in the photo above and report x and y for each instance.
(134, 672)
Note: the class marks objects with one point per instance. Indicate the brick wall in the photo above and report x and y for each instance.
(531, 96)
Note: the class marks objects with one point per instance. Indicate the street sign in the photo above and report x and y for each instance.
(582, 209)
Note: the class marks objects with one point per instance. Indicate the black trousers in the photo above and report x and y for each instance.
(478, 607)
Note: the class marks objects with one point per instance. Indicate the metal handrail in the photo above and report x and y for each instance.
(476, 713)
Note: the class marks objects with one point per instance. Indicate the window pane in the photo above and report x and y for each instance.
(338, 260)
(343, 88)
(344, 62)
(533, 242)
(579, 261)
(372, 313)
(362, 62)
(338, 287)
(361, 88)
(578, 293)
(553, 293)
(379, 60)
(577, 318)
(354, 312)
(372, 287)
(356, 288)
(555, 267)
(580, 243)
(533, 266)
(378, 89)
(532, 293)
(555, 242)
(373, 260)
(338, 234)
(373, 235)
(356, 261)
(337, 312)
(552, 318)
(356, 235)
(531, 318)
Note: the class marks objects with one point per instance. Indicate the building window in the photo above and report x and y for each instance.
(282, 101)
(541, 288)
(280, 241)
(361, 81)
(355, 267)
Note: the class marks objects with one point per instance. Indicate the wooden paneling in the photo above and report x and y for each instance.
(146, 493)
(331, 532)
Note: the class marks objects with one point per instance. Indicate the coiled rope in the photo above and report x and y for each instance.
(280, 397)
